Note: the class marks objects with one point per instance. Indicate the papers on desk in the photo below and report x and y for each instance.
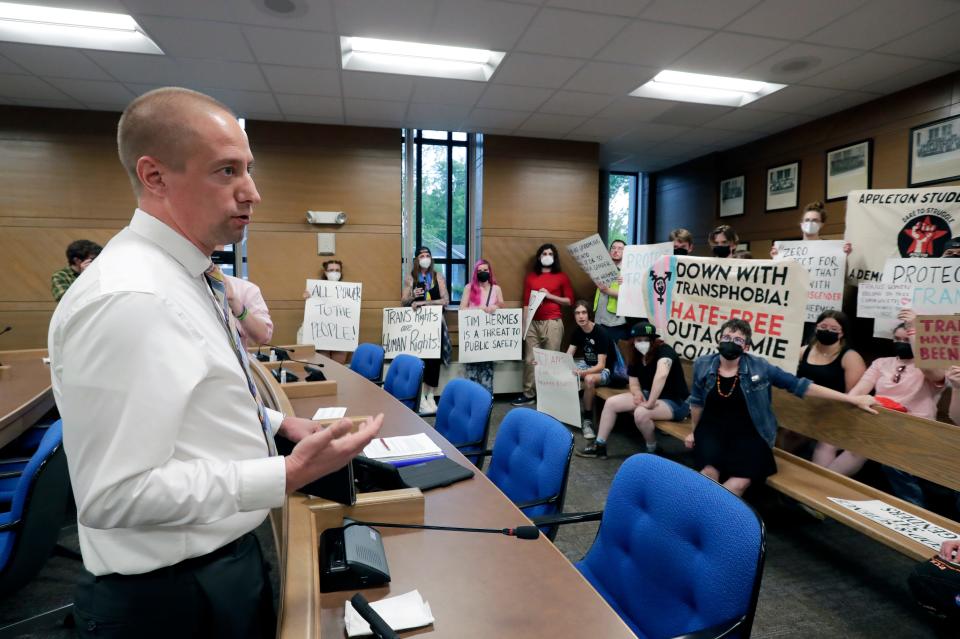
(401, 613)
(330, 412)
(403, 450)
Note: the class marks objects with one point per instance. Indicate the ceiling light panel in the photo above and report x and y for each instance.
(414, 58)
(705, 89)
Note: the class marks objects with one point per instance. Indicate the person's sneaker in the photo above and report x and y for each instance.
(587, 428)
(594, 451)
(523, 400)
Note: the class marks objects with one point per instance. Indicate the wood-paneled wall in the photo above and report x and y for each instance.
(687, 195)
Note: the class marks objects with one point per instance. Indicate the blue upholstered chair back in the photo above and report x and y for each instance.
(367, 361)
(463, 416)
(403, 380)
(676, 552)
(531, 461)
(29, 530)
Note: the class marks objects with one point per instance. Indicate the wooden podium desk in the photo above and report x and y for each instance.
(478, 585)
(25, 392)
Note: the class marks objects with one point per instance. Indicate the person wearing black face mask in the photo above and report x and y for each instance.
(723, 240)
(829, 361)
(682, 241)
(484, 293)
(730, 404)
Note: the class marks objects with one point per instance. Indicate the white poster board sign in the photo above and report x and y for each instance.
(878, 300)
(635, 269)
(331, 315)
(557, 386)
(891, 517)
(931, 284)
(412, 331)
(490, 337)
(594, 258)
(536, 298)
(825, 263)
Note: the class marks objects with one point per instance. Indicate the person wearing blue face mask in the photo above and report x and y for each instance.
(730, 407)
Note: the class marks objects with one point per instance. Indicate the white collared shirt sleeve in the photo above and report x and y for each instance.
(276, 419)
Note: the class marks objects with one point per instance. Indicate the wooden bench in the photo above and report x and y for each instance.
(921, 447)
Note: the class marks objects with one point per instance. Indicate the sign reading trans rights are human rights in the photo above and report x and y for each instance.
(691, 297)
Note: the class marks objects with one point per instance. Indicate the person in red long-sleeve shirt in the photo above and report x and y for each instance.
(546, 330)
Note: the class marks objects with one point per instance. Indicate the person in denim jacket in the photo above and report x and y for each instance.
(730, 407)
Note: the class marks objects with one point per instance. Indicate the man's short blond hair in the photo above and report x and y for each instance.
(681, 235)
(156, 124)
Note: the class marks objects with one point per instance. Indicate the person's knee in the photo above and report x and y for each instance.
(591, 381)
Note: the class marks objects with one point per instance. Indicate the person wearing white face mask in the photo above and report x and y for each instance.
(814, 217)
(427, 287)
(332, 271)
(658, 391)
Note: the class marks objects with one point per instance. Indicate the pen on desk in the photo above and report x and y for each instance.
(384, 442)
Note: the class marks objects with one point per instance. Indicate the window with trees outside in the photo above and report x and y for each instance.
(441, 206)
(622, 207)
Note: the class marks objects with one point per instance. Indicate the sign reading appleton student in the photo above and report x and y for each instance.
(937, 342)
(490, 337)
(898, 223)
(594, 258)
(690, 297)
(635, 267)
(331, 315)
(557, 387)
(414, 331)
(824, 261)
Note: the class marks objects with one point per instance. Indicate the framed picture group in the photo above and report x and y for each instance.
(935, 152)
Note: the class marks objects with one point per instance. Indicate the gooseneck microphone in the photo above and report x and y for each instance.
(378, 626)
(282, 353)
(6, 330)
(520, 532)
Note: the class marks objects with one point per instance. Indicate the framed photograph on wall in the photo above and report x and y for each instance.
(732, 192)
(783, 186)
(848, 168)
(935, 152)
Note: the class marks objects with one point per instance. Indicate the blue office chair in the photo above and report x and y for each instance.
(677, 554)
(463, 417)
(531, 463)
(404, 378)
(367, 361)
(15, 457)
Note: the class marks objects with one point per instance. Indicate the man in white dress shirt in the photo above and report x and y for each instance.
(170, 452)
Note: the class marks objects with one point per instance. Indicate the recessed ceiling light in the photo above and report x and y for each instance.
(705, 89)
(30, 24)
(415, 58)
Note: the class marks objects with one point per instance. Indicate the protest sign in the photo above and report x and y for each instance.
(490, 337)
(937, 342)
(935, 283)
(690, 297)
(899, 521)
(331, 315)
(557, 386)
(414, 331)
(878, 300)
(898, 223)
(635, 268)
(536, 298)
(824, 261)
(594, 258)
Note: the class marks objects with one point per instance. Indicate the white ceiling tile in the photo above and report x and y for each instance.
(309, 119)
(314, 15)
(610, 77)
(688, 114)
(441, 91)
(560, 32)
(28, 88)
(206, 10)
(652, 44)
(390, 19)
(935, 41)
(197, 39)
(789, 120)
(576, 103)
(223, 75)
(784, 66)
(525, 69)
(601, 129)
(376, 86)
(629, 8)
(437, 116)
(484, 25)
(302, 80)
(864, 70)
(792, 99)
(882, 21)
(647, 132)
(497, 118)
(746, 120)
(843, 101)
(926, 71)
(9, 66)
(704, 136)
(791, 19)
(273, 117)
(52, 61)
(110, 107)
(246, 102)
(294, 48)
(382, 110)
(312, 105)
(93, 90)
(134, 67)
(548, 123)
(728, 54)
(639, 109)
(698, 13)
(500, 96)
(65, 103)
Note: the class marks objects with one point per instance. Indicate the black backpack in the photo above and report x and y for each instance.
(935, 585)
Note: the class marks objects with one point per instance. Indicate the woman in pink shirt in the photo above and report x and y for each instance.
(484, 293)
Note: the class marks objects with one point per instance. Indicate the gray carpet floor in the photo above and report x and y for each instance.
(821, 579)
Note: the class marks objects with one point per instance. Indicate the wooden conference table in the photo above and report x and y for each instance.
(25, 393)
(477, 585)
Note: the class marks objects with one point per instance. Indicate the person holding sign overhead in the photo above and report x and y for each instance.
(734, 427)
(484, 293)
(546, 329)
(605, 300)
(425, 286)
